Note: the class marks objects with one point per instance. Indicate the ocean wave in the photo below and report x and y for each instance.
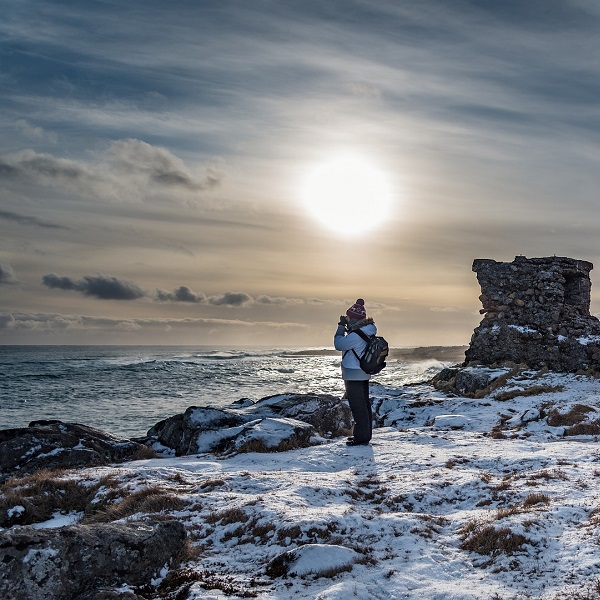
(309, 352)
(224, 355)
(127, 390)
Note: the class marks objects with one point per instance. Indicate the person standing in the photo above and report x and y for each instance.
(356, 381)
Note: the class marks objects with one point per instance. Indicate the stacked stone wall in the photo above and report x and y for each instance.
(536, 312)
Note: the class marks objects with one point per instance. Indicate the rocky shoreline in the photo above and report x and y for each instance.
(41, 563)
(131, 541)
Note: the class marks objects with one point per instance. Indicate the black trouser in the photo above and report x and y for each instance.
(357, 393)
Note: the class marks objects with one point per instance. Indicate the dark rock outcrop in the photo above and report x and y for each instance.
(466, 381)
(55, 445)
(536, 313)
(327, 414)
(85, 561)
(275, 423)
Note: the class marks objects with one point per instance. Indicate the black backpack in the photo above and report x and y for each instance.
(373, 359)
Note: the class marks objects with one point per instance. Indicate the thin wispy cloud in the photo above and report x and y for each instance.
(34, 132)
(277, 300)
(28, 220)
(57, 322)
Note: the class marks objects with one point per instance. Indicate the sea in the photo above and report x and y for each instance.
(125, 390)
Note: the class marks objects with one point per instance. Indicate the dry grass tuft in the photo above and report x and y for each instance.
(497, 383)
(45, 493)
(592, 428)
(591, 591)
(150, 500)
(292, 533)
(211, 484)
(227, 517)
(576, 415)
(487, 540)
(534, 390)
(536, 498)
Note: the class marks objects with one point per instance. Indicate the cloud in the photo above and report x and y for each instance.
(7, 275)
(278, 300)
(231, 299)
(98, 286)
(55, 322)
(34, 132)
(46, 169)
(26, 220)
(158, 165)
(180, 294)
(7, 321)
(322, 301)
(445, 309)
(185, 294)
(362, 89)
(127, 169)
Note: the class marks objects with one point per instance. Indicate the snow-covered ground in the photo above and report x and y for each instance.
(456, 498)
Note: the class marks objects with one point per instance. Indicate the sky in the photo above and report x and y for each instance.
(155, 160)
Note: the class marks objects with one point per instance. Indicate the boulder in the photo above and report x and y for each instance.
(55, 445)
(317, 560)
(180, 432)
(466, 381)
(274, 423)
(85, 561)
(327, 414)
(272, 435)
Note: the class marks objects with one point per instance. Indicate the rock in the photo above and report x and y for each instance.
(537, 313)
(111, 594)
(54, 445)
(471, 380)
(313, 559)
(81, 561)
(531, 414)
(272, 435)
(272, 424)
(450, 422)
(327, 414)
(180, 432)
(466, 381)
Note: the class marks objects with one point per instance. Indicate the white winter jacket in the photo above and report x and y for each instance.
(347, 342)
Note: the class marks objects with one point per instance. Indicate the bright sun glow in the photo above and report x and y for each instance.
(348, 195)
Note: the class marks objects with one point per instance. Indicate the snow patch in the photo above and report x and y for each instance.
(451, 422)
(15, 511)
(316, 559)
(59, 520)
(523, 329)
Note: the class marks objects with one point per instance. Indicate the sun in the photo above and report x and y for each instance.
(348, 195)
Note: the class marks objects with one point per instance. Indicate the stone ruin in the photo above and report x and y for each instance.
(536, 312)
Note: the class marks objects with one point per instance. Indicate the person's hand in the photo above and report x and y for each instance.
(343, 320)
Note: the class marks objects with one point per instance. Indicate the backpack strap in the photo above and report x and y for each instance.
(365, 337)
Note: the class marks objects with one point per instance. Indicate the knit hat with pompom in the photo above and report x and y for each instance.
(357, 310)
